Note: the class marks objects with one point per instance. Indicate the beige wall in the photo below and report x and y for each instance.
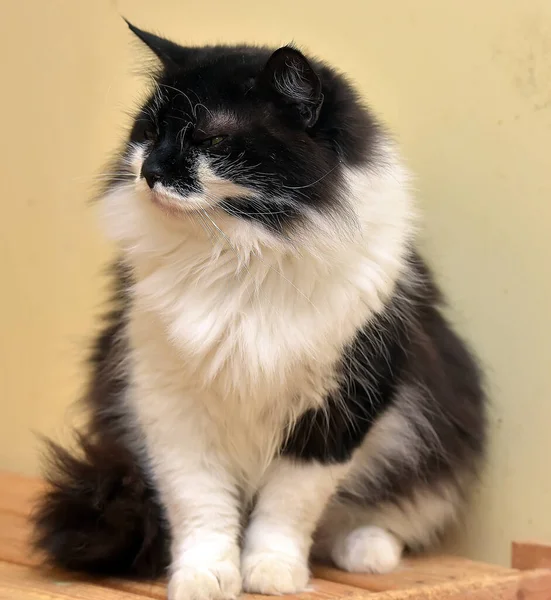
(466, 85)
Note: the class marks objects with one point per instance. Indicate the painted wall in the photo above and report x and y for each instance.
(466, 86)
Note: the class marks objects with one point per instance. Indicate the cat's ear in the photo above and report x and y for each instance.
(291, 76)
(170, 54)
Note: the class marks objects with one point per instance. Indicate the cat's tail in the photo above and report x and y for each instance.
(99, 514)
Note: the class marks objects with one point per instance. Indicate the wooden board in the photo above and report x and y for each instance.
(531, 555)
(427, 578)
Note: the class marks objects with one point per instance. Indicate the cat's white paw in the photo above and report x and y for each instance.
(219, 581)
(367, 550)
(274, 573)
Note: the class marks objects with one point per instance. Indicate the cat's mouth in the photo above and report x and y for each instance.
(171, 202)
(166, 203)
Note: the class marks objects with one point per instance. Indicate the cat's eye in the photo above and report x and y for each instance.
(145, 130)
(149, 134)
(213, 141)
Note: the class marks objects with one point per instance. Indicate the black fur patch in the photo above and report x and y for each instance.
(371, 369)
(410, 347)
(100, 515)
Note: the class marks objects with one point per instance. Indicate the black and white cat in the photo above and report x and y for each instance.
(276, 380)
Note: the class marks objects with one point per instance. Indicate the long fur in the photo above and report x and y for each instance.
(276, 368)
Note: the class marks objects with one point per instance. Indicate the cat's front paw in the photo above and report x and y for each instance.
(219, 581)
(274, 573)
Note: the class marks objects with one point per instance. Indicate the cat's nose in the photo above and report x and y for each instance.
(152, 171)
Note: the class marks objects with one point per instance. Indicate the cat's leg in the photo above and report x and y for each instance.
(204, 516)
(279, 536)
(392, 497)
(199, 495)
(371, 539)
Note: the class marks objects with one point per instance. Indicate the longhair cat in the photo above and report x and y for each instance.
(275, 381)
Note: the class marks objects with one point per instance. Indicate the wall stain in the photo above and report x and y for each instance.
(525, 53)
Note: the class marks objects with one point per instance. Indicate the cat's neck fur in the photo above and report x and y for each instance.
(248, 319)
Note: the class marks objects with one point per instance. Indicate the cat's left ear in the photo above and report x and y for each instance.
(291, 76)
(170, 54)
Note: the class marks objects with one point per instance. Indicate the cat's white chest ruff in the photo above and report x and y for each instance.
(245, 330)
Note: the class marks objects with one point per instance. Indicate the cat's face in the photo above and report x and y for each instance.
(263, 137)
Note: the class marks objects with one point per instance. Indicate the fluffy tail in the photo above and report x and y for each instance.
(100, 514)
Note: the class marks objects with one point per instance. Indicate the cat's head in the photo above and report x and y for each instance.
(263, 138)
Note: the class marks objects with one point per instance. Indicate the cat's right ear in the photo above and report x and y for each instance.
(291, 76)
(170, 54)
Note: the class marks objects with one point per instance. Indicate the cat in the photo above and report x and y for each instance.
(276, 381)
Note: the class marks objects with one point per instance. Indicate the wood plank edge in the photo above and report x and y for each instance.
(527, 585)
(530, 555)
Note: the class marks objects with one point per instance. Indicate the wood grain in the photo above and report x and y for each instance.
(18, 582)
(319, 590)
(15, 544)
(416, 572)
(17, 492)
(533, 585)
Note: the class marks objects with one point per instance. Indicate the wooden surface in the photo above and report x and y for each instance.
(531, 555)
(428, 578)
